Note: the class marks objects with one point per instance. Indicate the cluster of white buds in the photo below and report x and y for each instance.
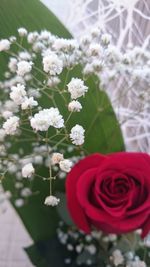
(64, 164)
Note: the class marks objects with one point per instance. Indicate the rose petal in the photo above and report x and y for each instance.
(74, 207)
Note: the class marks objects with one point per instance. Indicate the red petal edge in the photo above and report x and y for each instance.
(76, 212)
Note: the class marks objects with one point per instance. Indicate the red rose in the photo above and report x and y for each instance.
(111, 193)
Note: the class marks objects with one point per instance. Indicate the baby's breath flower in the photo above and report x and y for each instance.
(6, 114)
(74, 106)
(136, 263)
(24, 55)
(56, 158)
(22, 32)
(77, 88)
(94, 50)
(26, 192)
(19, 202)
(11, 125)
(51, 201)
(106, 38)
(53, 81)
(79, 248)
(24, 67)
(46, 118)
(117, 257)
(91, 249)
(12, 65)
(32, 36)
(77, 135)
(4, 45)
(18, 93)
(65, 165)
(29, 103)
(52, 64)
(28, 170)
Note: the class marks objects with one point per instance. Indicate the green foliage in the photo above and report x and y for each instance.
(62, 209)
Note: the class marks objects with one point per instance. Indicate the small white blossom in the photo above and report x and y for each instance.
(12, 39)
(25, 55)
(79, 248)
(2, 135)
(19, 202)
(53, 81)
(77, 88)
(12, 65)
(4, 45)
(2, 150)
(117, 257)
(11, 125)
(65, 165)
(91, 249)
(94, 50)
(38, 159)
(51, 201)
(22, 32)
(7, 114)
(26, 192)
(18, 93)
(95, 32)
(29, 103)
(24, 67)
(34, 92)
(52, 64)
(56, 158)
(46, 118)
(65, 45)
(28, 170)
(74, 106)
(136, 263)
(32, 36)
(11, 106)
(106, 38)
(77, 135)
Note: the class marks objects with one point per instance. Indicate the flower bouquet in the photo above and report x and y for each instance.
(81, 197)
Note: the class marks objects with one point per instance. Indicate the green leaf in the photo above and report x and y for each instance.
(31, 14)
(62, 209)
(48, 253)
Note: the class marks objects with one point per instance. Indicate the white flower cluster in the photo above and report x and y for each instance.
(22, 32)
(74, 106)
(28, 170)
(64, 164)
(4, 45)
(11, 125)
(51, 201)
(52, 64)
(76, 88)
(117, 257)
(77, 135)
(45, 118)
(24, 67)
(19, 95)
